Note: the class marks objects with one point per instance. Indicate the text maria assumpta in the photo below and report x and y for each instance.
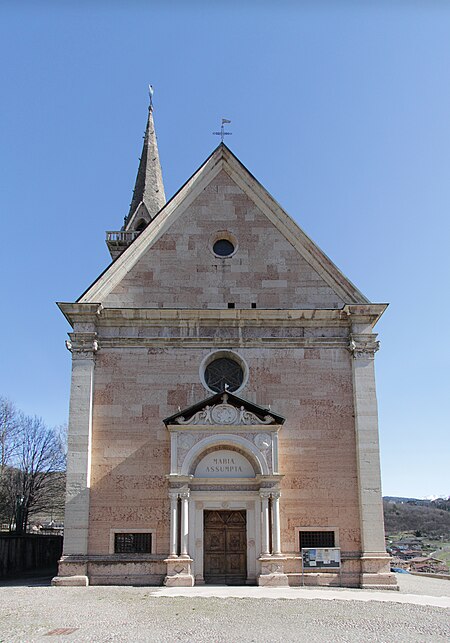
(223, 465)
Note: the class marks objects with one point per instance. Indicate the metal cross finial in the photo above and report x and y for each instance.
(150, 93)
(222, 132)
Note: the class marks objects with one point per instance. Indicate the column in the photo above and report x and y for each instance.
(272, 566)
(184, 495)
(179, 572)
(76, 525)
(265, 522)
(276, 534)
(173, 524)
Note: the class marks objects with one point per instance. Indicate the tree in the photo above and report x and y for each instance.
(9, 426)
(9, 429)
(32, 476)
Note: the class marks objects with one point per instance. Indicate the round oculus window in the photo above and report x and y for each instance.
(223, 248)
(224, 374)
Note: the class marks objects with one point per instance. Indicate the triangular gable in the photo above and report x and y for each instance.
(141, 212)
(225, 408)
(223, 159)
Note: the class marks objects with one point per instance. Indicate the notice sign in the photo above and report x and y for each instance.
(321, 557)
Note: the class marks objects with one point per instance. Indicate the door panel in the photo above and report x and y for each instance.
(225, 547)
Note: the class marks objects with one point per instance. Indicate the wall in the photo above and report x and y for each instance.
(180, 270)
(20, 554)
(135, 389)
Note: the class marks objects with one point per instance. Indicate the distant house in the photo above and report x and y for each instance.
(428, 564)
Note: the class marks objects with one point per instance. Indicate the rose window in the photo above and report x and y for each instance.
(224, 374)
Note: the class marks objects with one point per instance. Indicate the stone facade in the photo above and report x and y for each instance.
(143, 422)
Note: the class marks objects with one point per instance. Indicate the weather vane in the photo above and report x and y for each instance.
(150, 93)
(222, 132)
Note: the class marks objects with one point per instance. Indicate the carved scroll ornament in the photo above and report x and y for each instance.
(225, 413)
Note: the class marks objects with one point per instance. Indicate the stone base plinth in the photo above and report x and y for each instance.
(272, 572)
(110, 569)
(379, 581)
(70, 581)
(179, 572)
(273, 580)
(72, 572)
(376, 572)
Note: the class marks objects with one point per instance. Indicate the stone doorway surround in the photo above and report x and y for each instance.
(224, 455)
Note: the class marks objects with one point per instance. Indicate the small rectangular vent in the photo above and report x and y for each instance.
(316, 539)
(132, 543)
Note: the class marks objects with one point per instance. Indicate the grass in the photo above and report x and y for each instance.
(444, 553)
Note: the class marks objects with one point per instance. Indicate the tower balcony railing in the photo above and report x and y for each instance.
(121, 237)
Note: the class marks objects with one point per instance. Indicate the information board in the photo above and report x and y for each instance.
(321, 557)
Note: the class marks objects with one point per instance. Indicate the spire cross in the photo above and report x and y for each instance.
(222, 132)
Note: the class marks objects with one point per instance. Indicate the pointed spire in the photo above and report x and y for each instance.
(149, 187)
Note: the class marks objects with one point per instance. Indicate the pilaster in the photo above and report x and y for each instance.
(375, 562)
(83, 347)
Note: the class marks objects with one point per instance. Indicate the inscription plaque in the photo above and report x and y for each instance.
(224, 464)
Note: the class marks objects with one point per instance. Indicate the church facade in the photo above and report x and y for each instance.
(223, 412)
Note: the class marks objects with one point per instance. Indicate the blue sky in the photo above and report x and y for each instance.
(342, 111)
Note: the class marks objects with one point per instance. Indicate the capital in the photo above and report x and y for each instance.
(82, 345)
(363, 346)
(276, 495)
(184, 495)
(264, 493)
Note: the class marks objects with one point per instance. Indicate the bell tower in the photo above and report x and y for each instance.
(148, 194)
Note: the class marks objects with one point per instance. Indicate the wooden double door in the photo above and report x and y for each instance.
(225, 547)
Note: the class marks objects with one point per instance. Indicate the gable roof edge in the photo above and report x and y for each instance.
(290, 229)
(115, 272)
(223, 159)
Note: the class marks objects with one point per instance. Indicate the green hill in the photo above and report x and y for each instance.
(430, 519)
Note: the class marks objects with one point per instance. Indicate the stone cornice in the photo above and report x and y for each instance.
(80, 313)
(364, 313)
(223, 317)
(190, 320)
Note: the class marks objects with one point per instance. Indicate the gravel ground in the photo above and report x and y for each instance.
(30, 613)
(410, 584)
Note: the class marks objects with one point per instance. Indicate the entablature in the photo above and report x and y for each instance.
(160, 327)
(228, 317)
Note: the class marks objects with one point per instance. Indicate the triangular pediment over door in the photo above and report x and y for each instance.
(225, 409)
